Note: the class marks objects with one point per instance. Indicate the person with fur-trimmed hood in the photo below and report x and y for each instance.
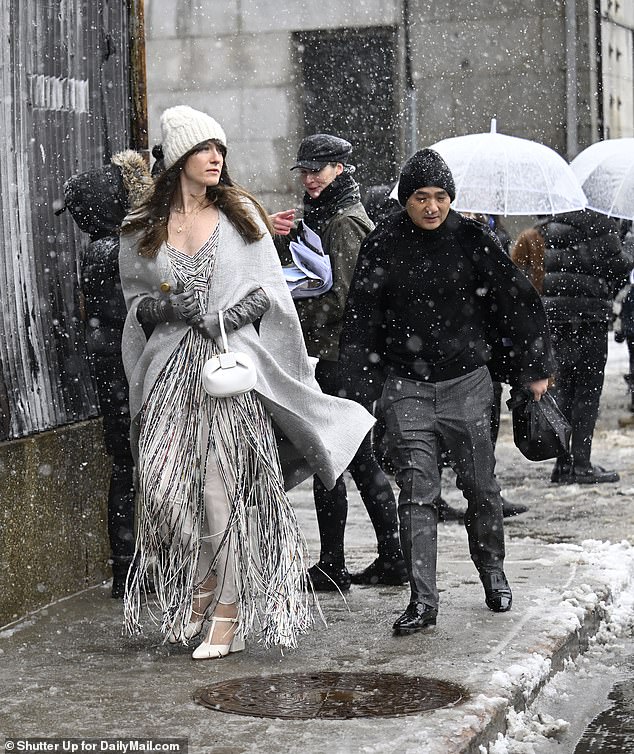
(428, 290)
(98, 200)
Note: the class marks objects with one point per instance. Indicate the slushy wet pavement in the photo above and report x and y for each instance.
(67, 671)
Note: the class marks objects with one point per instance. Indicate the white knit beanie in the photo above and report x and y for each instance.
(182, 128)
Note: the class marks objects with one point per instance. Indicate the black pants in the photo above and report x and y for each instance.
(496, 411)
(630, 349)
(581, 351)
(373, 485)
(112, 389)
(121, 492)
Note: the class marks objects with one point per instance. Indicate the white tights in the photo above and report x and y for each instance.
(217, 507)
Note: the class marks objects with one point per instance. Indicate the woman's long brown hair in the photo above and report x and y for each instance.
(152, 217)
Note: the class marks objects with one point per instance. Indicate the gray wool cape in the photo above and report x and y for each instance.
(316, 433)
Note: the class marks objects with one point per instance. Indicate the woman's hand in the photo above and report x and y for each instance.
(282, 222)
(183, 305)
(208, 325)
(178, 306)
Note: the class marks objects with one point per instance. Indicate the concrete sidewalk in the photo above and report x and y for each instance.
(66, 671)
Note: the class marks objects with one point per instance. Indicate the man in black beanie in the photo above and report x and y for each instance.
(429, 293)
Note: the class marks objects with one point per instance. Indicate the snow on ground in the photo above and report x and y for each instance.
(578, 692)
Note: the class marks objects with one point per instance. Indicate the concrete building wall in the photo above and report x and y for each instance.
(617, 52)
(235, 59)
(53, 523)
(471, 61)
(478, 60)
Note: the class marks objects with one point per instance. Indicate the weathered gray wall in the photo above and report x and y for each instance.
(478, 60)
(64, 108)
(64, 72)
(471, 61)
(53, 525)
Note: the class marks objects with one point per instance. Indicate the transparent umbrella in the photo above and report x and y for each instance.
(606, 173)
(505, 175)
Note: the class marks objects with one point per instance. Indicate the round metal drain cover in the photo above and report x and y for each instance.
(339, 696)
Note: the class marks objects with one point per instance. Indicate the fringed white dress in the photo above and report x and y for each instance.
(211, 495)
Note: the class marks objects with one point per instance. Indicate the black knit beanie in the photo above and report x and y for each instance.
(425, 168)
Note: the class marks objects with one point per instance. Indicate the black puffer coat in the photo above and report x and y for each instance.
(105, 308)
(98, 200)
(584, 266)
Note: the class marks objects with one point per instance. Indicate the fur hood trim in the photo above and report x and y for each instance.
(136, 176)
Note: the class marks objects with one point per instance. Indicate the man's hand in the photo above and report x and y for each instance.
(538, 388)
(282, 222)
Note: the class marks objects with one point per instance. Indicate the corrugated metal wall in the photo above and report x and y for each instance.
(64, 108)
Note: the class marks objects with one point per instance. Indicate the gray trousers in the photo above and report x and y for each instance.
(454, 416)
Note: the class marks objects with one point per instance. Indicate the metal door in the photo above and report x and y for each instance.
(348, 89)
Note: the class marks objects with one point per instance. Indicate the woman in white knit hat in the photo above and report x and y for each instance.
(213, 514)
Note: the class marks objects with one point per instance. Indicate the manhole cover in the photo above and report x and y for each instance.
(332, 695)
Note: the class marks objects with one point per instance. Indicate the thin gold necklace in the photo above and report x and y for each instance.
(193, 215)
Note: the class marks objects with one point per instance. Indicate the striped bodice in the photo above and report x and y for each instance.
(194, 271)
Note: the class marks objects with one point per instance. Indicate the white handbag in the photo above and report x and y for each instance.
(228, 373)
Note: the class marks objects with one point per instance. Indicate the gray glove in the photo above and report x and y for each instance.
(178, 306)
(247, 310)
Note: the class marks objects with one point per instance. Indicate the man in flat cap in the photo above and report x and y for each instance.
(429, 289)
(333, 209)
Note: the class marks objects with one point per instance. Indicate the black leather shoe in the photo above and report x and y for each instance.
(390, 571)
(594, 475)
(497, 592)
(512, 509)
(328, 578)
(417, 617)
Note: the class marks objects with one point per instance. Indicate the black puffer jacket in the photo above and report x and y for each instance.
(584, 266)
(98, 200)
(104, 306)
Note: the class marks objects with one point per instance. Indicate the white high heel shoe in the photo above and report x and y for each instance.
(206, 651)
(196, 621)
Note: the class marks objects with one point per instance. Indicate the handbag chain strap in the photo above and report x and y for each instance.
(223, 334)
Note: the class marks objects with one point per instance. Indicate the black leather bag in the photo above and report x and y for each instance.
(540, 430)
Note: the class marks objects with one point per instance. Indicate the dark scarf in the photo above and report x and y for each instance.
(341, 193)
